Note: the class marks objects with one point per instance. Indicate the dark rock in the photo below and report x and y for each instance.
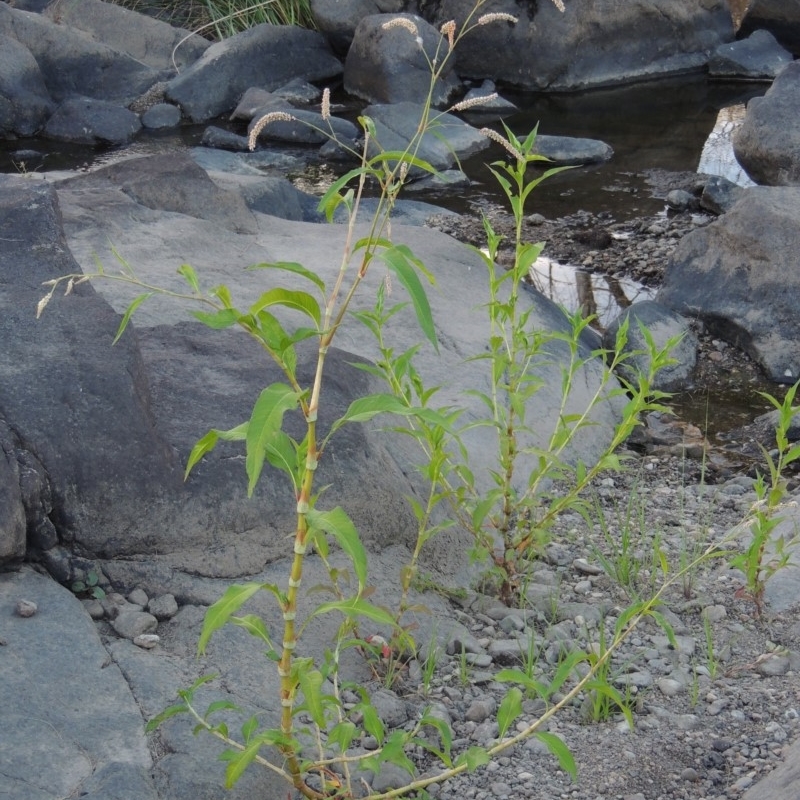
(25, 104)
(299, 92)
(257, 101)
(12, 511)
(569, 151)
(758, 57)
(84, 120)
(170, 182)
(161, 116)
(147, 40)
(767, 144)
(738, 275)
(72, 64)
(453, 140)
(265, 56)
(163, 607)
(485, 106)
(719, 194)
(338, 20)
(589, 44)
(389, 63)
(662, 324)
(681, 200)
(780, 17)
(280, 198)
(81, 704)
(224, 140)
(307, 127)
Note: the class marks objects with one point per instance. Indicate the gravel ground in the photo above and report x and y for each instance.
(711, 716)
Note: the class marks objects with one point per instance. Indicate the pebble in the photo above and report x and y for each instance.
(147, 641)
(130, 624)
(26, 608)
(163, 607)
(773, 665)
(138, 597)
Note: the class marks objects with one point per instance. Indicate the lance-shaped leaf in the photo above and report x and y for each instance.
(265, 423)
(311, 685)
(557, 747)
(209, 442)
(356, 608)
(236, 595)
(510, 709)
(126, 317)
(336, 523)
(294, 267)
(289, 298)
(400, 260)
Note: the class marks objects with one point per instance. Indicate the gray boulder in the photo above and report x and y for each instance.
(170, 182)
(84, 120)
(72, 63)
(767, 144)
(451, 141)
(78, 730)
(169, 380)
(570, 151)
(719, 194)
(388, 63)
(780, 17)
(306, 127)
(161, 116)
(25, 104)
(147, 40)
(758, 57)
(590, 44)
(739, 275)
(12, 511)
(265, 56)
(338, 20)
(662, 324)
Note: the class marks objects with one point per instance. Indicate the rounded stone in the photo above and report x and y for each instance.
(26, 608)
(130, 624)
(163, 607)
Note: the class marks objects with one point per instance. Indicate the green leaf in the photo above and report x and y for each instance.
(560, 751)
(365, 408)
(289, 298)
(518, 676)
(336, 523)
(126, 318)
(255, 626)
(297, 269)
(398, 260)
(356, 608)
(474, 757)
(167, 713)
(311, 686)
(342, 735)
(208, 442)
(265, 422)
(190, 276)
(220, 705)
(224, 318)
(239, 763)
(220, 612)
(510, 709)
(373, 724)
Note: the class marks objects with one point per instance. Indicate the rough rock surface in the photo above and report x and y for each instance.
(767, 144)
(388, 63)
(24, 102)
(738, 275)
(267, 56)
(590, 44)
(779, 17)
(758, 57)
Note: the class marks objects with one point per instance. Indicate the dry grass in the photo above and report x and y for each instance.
(218, 19)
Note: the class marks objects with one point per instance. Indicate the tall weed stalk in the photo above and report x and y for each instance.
(509, 521)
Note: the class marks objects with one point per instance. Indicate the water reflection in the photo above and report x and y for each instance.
(593, 293)
(717, 156)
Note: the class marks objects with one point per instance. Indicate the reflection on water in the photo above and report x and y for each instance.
(717, 157)
(594, 294)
